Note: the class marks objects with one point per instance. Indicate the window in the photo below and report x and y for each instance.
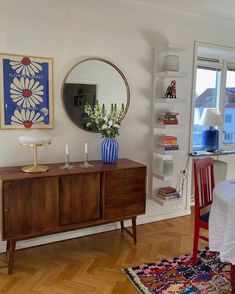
(228, 137)
(229, 106)
(227, 118)
(214, 88)
(207, 96)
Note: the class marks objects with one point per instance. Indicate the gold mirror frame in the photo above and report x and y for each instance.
(77, 123)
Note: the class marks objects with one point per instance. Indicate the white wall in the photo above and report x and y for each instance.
(123, 33)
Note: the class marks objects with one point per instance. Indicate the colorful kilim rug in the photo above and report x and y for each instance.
(177, 275)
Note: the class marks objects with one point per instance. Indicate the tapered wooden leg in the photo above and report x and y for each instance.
(232, 274)
(7, 248)
(122, 225)
(133, 233)
(134, 229)
(11, 253)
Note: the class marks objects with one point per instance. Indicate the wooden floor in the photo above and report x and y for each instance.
(93, 264)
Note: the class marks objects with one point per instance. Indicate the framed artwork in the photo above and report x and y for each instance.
(26, 92)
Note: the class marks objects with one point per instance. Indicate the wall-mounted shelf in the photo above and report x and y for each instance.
(167, 152)
(170, 74)
(164, 177)
(169, 100)
(168, 201)
(160, 126)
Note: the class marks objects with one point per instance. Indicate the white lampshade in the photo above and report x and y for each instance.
(211, 117)
(35, 137)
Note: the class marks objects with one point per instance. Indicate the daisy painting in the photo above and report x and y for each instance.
(26, 92)
(26, 118)
(26, 66)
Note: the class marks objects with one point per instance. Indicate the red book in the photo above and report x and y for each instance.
(167, 190)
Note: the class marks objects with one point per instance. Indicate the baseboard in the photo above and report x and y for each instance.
(142, 219)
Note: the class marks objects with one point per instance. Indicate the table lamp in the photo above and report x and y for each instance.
(34, 139)
(210, 136)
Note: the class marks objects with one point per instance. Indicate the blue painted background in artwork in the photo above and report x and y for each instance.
(9, 106)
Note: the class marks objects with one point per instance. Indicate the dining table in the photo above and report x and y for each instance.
(222, 221)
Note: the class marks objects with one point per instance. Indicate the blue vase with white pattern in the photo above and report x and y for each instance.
(109, 150)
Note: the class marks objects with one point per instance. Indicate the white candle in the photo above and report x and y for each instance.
(67, 149)
(86, 148)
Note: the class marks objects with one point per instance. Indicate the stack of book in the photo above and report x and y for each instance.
(167, 118)
(168, 143)
(168, 193)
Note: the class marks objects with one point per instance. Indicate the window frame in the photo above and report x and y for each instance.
(211, 62)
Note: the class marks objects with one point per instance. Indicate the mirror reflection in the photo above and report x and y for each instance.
(90, 80)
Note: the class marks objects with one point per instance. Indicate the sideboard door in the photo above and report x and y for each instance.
(80, 198)
(30, 207)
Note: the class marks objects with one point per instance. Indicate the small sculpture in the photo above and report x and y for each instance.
(171, 90)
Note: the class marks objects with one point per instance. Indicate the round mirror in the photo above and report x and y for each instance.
(91, 80)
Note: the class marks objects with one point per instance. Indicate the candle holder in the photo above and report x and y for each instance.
(66, 163)
(86, 164)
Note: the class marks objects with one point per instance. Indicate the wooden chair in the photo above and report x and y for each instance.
(204, 184)
(232, 273)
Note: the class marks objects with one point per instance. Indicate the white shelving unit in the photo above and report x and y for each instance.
(162, 104)
(159, 126)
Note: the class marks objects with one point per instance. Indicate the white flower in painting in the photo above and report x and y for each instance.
(45, 111)
(25, 66)
(26, 92)
(26, 118)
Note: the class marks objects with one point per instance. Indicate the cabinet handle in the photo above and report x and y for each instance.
(125, 181)
(6, 210)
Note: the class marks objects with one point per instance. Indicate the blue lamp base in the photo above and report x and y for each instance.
(210, 139)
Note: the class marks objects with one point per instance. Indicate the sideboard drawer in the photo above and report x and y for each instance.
(124, 211)
(127, 179)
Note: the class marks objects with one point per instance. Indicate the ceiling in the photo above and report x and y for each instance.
(218, 9)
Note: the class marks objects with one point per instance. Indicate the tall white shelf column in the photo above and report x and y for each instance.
(160, 103)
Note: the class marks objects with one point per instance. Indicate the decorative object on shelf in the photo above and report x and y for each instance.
(171, 90)
(26, 92)
(34, 139)
(67, 164)
(171, 63)
(108, 125)
(167, 118)
(211, 118)
(168, 167)
(168, 193)
(168, 143)
(86, 164)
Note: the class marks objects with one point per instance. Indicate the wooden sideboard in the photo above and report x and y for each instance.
(60, 200)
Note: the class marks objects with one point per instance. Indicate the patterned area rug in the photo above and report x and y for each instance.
(176, 275)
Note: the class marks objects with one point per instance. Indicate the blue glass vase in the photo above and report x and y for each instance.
(109, 150)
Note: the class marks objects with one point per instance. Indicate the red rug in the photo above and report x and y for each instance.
(177, 275)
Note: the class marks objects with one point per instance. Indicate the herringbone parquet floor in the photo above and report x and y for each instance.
(93, 264)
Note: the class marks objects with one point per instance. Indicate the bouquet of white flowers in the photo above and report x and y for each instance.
(107, 124)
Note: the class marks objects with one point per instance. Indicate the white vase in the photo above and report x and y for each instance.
(171, 63)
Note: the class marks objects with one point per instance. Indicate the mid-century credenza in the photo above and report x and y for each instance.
(60, 200)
